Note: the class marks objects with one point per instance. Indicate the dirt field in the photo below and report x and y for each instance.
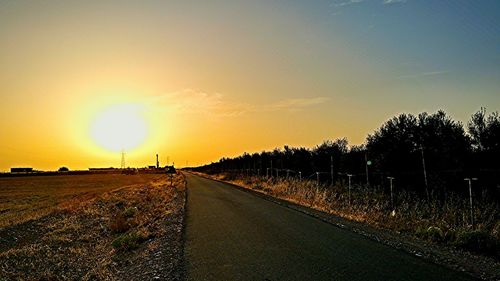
(25, 198)
(96, 227)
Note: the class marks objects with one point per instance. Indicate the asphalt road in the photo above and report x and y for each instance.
(235, 235)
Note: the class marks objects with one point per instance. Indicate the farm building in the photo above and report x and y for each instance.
(21, 170)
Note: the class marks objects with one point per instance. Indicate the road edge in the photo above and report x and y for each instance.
(421, 249)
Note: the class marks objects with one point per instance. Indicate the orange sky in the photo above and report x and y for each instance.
(213, 80)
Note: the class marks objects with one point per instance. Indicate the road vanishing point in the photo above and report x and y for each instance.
(236, 235)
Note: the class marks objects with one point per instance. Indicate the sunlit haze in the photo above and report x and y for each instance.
(119, 128)
(198, 80)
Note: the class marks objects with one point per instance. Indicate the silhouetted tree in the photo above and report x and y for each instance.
(427, 153)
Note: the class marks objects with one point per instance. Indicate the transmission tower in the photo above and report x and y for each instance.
(123, 159)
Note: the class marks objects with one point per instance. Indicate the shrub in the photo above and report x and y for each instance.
(435, 234)
(126, 242)
(118, 224)
(450, 236)
(130, 212)
(478, 241)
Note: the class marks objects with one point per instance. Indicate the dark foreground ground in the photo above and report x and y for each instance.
(235, 235)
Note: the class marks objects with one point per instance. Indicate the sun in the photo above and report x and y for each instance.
(120, 127)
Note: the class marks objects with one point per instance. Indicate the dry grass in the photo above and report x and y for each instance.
(101, 237)
(437, 222)
(25, 198)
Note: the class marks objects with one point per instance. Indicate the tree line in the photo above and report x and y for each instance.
(429, 154)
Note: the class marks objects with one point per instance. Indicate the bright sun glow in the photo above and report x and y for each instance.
(119, 127)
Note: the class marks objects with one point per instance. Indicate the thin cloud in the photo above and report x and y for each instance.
(345, 3)
(388, 2)
(215, 104)
(297, 104)
(190, 101)
(423, 74)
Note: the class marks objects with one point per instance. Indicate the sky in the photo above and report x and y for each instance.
(199, 80)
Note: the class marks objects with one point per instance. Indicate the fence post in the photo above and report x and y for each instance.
(392, 198)
(349, 191)
(470, 200)
(331, 169)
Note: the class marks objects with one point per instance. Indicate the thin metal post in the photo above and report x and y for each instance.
(317, 178)
(392, 197)
(331, 169)
(349, 190)
(425, 173)
(470, 200)
(300, 175)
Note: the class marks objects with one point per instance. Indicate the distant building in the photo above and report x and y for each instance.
(21, 170)
(103, 169)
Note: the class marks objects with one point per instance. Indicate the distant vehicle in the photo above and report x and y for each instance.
(170, 170)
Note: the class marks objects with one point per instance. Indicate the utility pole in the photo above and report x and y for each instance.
(123, 159)
(349, 191)
(331, 169)
(392, 197)
(470, 200)
(425, 173)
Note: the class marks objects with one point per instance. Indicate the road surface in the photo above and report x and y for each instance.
(235, 235)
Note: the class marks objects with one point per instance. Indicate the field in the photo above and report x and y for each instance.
(92, 227)
(25, 198)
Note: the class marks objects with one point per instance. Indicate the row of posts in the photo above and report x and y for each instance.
(391, 179)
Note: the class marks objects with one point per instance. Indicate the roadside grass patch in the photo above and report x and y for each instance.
(130, 212)
(128, 241)
(119, 224)
(478, 241)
